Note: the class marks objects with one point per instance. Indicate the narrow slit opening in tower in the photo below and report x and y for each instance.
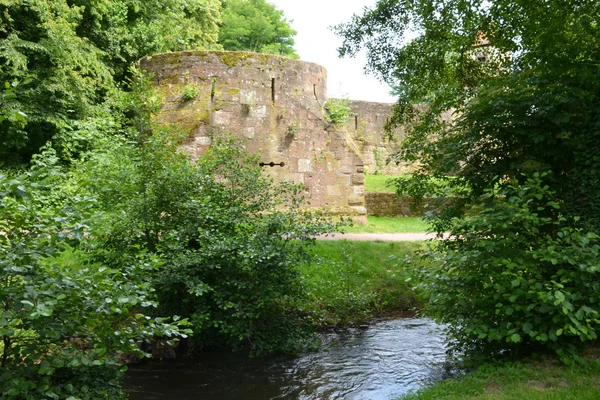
(356, 122)
(315, 90)
(213, 89)
(273, 90)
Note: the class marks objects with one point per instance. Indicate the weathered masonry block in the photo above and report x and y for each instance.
(274, 105)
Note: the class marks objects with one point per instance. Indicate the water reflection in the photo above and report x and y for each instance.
(382, 362)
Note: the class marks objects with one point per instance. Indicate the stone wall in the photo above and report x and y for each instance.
(366, 126)
(390, 205)
(275, 106)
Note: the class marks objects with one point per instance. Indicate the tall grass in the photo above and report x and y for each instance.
(349, 282)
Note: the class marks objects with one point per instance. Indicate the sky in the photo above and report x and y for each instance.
(315, 42)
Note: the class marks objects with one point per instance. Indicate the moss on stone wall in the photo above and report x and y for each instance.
(231, 59)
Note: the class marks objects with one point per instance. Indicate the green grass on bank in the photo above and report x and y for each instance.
(350, 282)
(378, 183)
(389, 225)
(520, 381)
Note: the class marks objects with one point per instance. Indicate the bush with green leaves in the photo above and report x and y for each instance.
(231, 240)
(337, 111)
(514, 276)
(66, 321)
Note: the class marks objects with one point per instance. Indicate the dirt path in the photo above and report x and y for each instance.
(384, 237)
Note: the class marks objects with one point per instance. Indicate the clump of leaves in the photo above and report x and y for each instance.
(337, 111)
(293, 128)
(516, 276)
(190, 92)
(66, 321)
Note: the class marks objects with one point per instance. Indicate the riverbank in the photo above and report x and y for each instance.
(349, 282)
(527, 380)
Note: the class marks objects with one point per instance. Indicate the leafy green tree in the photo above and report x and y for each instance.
(256, 25)
(127, 30)
(520, 154)
(230, 239)
(512, 279)
(524, 93)
(62, 75)
(71, 56)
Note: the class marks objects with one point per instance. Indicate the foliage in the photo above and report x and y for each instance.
(292, 129)
(127, 30)
(8, 109)
(337, 111)
(67, 322)
(256, 25)
(532, 105)
(515, 275)
(231, 240)
(190, 93)
(525, 104)
(69, 57)
(231, 250)
(62, 74)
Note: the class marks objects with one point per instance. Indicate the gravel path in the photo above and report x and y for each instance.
(384, 237)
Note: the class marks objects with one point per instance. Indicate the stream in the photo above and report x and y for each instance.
(383, 361)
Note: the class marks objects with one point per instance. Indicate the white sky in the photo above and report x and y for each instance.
(315, 42)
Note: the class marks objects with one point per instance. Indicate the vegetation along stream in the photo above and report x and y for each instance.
(383, 361)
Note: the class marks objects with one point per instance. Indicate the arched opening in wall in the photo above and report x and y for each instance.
(273, 90)
(213, 89)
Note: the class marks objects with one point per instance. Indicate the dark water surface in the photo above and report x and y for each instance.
(383, 361)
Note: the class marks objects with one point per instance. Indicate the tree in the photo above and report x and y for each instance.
(62, 74)
(127, 30)
(71, 57)
(523, 81)
(531, 105)
(256, 25)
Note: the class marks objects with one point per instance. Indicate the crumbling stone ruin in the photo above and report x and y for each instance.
(275, 106)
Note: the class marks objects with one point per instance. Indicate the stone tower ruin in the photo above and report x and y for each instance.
(274, 105)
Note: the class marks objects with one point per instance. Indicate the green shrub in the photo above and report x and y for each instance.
(515, 275)
(337, 111)
(190, 92)
(231, 240)
(67, 322)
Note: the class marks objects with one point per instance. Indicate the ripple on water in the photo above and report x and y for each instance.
(382, 362)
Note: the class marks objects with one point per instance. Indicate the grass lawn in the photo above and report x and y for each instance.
(520, 381)
(389, 225)
(378, 183)
(349, 282)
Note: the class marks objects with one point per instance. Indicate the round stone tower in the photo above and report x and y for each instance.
(274, 105)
